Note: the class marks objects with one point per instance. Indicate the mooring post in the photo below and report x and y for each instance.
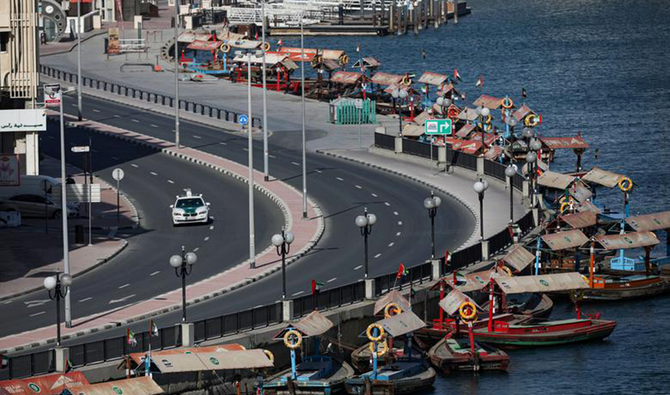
(455, 3)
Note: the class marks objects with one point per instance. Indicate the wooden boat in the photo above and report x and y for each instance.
(317, 374)
(452, 355)
(612, 288)
(397, 378)
(547, 333)
(361, 357)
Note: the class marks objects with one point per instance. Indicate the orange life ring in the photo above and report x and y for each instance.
(392, 309)
(507, 103)
(406, 81)
(382, 348)
(344, 59)
(225, 48)
(266, 46)
(467, 310)
(625, 184)
(379, 336)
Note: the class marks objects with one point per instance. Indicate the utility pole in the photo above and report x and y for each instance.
(302, 84)
(79, 82)
(64, 214)
(252, 236)
(176, 72)
(266, 164)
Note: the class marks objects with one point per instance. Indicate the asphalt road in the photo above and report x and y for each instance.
(142, 271)
(342, 189)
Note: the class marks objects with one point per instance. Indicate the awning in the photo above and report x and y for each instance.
(367, 61)
(564, 240)
(519, 257)
(140, 385)
(587, 206)
(522, 112)
(331, 64)
(541, 283)
(469, 282)
(465, 131)
(381, 78)
(468, 114)
(411, 130)
(555, 180)
(314, 324)
(432, 78)
(602, 177)
(564, 142)
(628, 240)
(580, 220)
(402, 324)
(493, 152)
(222, 360)
(453, 301)
(489, 102)
(271, 58)
(392, 297)
(47, 384)
(655, 221)
(580, 191)
(468, 147)
(346, 77)
(139, 356)
(205, 45)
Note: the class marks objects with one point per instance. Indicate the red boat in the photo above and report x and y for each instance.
(452, 355)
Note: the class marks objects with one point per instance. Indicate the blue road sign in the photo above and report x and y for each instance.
(243, 119)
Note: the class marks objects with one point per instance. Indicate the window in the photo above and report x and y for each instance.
(190, 203)
(28, 198)
(4, 41)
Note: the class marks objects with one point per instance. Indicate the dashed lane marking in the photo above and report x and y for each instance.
(170, 181)
(95, 110)
(36, 314)
(222, 143)
(211, 227)
(124, 285)
(339, 178)
(196, 249)
(399, 222)
(196, 136)
(135, 120)
(154, 125)
(295, 163)
(374, 195)
(318, 171)
(272, 156)
(245, 149)
(154, 273)
(85, 299)
(117, 116)
(395, 213)
(331, 280)
(378, 255)
(398, 234)
(153, 173)
(134, 165)
(115, 158)
(358, 187)
(207, 238)
(298, 293)
(358, 267)
(391, 244)
(387, 204)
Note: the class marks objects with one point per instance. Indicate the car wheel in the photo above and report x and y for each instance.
(57, 214)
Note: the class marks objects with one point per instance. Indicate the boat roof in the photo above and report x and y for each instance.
(432, 78)
(367, 61)
(314, 324)
(522, 112)
(541, 283)
(468, 114)
(564, 142)
(627, 240)
(490, 102)
(411, 130)
(603, 177)
(566, 239)
(381, 78)
(465, 130)
(138, 385)
(402, 323)
(580, 220)
(587, 206)
(650, 222)
(271, 59)
(346, 77)
(493, 152)
(551, 179)
(453, 301)
(199, 45)
(138, 357)
(47, 384)
(220, 360)
(519, 257)
(392, 297)
(580, 191)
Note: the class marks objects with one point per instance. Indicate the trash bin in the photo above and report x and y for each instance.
(79, 234)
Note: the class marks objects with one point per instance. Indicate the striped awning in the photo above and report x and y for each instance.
(628, 240)
(564, 240)
(655, 221)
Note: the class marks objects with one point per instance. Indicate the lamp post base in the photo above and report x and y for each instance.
(485, 250)
(369, 288)
(62, 356)
(187, 334)
(286, 310)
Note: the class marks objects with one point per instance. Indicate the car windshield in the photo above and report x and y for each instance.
(190, 203)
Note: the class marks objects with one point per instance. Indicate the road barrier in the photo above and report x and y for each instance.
(148, 96)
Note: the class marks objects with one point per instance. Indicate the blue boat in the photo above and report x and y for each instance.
(316, 374)
(400, 377)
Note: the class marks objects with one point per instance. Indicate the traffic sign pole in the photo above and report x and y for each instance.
(118, 174)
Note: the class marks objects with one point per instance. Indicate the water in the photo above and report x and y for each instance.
(596, 67)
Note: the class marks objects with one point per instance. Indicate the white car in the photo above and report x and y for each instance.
(190, 209)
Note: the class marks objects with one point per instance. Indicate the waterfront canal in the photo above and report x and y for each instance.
(599, 67)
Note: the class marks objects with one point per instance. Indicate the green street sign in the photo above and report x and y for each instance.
(439, 127)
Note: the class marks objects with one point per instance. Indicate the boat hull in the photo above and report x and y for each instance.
(413, 384)
(633, 291)
(446, 359)
(331, 385)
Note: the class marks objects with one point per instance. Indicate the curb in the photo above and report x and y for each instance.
(83, 40)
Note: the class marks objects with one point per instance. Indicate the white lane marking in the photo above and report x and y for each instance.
(171, 182)
(400, 223)
(154, 126)
(211, 216)
(339, 178)
(124, 285)
(222, 143)
(85, 299)
(398, 234)
(387, 204)
(395, 213)
(358, 267)
(117, 116)
(196, 249)
(358, 186)
(34, 303)
(154, 273)
(122, 299)
(318, 171)
(95, 110)
(374, 195)
(207, 238)
(7, 302)
(295, 163)
(115, 158)
(378, 255)
(298, 293)
(272, 156)
(74, 104)
(135, 120)
(196, 137)
(36, 314)
(153, 173)
(211, 227)
(391, 244)
(331, 280)
(245, 149)
(134, 165)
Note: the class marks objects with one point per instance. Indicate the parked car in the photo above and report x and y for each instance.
(30, 205)
(190, 209)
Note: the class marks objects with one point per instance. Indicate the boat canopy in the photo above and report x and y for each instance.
(367, 61)
(139, 385)
(650, 222)
(490, 102)
(453, 301)
(47, 384)
(518, 257)
(522, 113)
(468, 114)
(541, 283)
(469, 147)
(271, 59)
(465, 131)
(580, 220)
(220, 360)
(542, 165)
(566, 239)
(446, 88)
(574, 142)
(580, 191)
(551, 179)
(381, 78)
(392, 297)
(628, 240)
(314, 324)
(204, 45)
(346, 77)
(471, 281)
(603, 177)
(410, 130)
(432, 78)
(587, 206)
(138, 357)
(402, 324)
(493, 152)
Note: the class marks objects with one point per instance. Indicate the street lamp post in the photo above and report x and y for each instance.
(483, 113)
(79, 78)
(58, 287)
(365, 223)
(183, 266)
(282, 241)
(266, 164)
(510, 171)
(398, 95)
(176, 73)
(432, 203)
(480, 187)
(531, 158)
(302, 101)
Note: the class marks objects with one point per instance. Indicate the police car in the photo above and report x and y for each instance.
(190, 209)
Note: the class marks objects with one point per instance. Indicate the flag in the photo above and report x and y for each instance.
(480, 82)
(447, 257)
(402, 271)
(424, 89)
(256, 36)
(130, 338)
(280, 43)
(358, 47)
(316, 286)
(523, 92)
(423, 53)
(153, 328)
(457, 75)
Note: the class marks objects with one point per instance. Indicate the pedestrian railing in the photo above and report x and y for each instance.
(148, 96)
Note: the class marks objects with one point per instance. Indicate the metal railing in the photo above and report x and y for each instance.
(385, 141)
(149, 96)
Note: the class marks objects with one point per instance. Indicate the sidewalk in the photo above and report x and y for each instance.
(34, 250)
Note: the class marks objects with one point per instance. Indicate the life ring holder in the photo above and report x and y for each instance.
(287, 339)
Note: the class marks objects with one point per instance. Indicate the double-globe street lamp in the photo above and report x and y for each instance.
(432, 203)
(510, 172)
(531, 158)
(483, 113)
(480, 187)
(58, 286)
(282, 241)
(183, 266)
(365, 223)
(398, 94)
